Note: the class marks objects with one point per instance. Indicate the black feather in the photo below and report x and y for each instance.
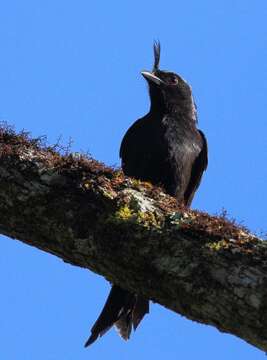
(165, 148)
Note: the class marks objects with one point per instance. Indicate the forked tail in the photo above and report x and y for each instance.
(122, 309)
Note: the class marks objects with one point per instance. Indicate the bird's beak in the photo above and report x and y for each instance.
(151, 77)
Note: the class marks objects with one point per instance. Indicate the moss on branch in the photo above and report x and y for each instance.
(208, 268)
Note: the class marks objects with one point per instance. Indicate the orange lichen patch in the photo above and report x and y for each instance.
(222, 233)
(10, 140)
(86, 165)
(218, 225)
(57, 156)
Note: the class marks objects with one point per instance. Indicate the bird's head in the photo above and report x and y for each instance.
(168, 89)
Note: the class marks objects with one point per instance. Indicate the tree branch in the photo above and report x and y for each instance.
(203, 267)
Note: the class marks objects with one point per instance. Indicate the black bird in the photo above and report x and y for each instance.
(165, 148)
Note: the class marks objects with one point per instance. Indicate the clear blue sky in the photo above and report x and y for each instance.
(73, 69)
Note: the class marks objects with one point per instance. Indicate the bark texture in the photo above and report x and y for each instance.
(204, 267)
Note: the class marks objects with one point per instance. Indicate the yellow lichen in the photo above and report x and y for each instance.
(147, 219)
(124, 213)
(108, 193)
(136, 182)
(139, 184)
(220, 245)
(88, 184)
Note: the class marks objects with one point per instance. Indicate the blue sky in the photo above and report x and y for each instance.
(72, 69)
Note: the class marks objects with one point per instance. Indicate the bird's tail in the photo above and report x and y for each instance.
(122, 309)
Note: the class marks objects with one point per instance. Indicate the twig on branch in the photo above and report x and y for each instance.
(203, 267)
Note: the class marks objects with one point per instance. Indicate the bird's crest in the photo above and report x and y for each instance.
(156, 55)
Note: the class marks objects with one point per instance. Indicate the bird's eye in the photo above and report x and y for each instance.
(173, 80)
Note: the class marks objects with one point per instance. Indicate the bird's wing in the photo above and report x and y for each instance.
(133, 147)
(129, 138)
(199, 166)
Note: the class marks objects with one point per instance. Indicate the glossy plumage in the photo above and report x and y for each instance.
(165, 148)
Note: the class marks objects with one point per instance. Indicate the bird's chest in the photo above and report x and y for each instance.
(180, 139)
